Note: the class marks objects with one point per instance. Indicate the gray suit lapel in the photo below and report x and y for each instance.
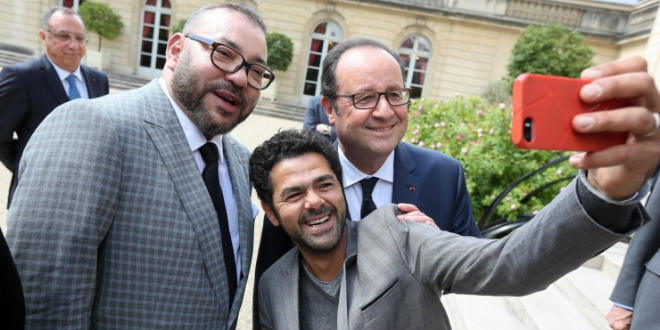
(289, 296)
(404, 182)
(167, 135)
(242, 189)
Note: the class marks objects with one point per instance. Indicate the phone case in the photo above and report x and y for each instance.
(543, 110)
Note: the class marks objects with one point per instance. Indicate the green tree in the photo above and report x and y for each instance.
(280, 51)
(178, 26)
(101, 19)
(551, 49)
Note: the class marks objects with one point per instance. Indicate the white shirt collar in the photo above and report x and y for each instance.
(62, 74)
(194, 136)
(352, 175)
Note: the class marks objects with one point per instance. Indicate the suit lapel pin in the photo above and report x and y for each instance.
(412, 188)
(93, 80)
(239, 160)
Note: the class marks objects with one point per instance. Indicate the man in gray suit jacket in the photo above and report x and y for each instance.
(112, 225)
(636, 295)
(403, 267)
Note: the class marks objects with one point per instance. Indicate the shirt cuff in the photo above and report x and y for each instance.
(620, 217)
(630, 308)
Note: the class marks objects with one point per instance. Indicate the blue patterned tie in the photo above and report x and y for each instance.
(73, 90)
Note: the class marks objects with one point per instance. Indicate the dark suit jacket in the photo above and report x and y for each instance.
(429, 179)
(314, 115)
(28, 93)
(12, 303)
(638, 284)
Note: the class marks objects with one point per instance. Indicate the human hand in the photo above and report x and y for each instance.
(619, 318)
(410, 212)
(620, 171)
(322, 128)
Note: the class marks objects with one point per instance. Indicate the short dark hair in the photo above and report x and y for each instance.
(239, 7)
(284, 145)
(45, 20)
(329, 83)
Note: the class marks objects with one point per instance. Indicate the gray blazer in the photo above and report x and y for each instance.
(112, 226)
(403, 268)
(638, 284)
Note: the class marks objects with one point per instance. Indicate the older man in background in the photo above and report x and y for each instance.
(30, 91)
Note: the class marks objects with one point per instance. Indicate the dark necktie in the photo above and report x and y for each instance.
(368, 205)
(210, 155)
(73, 89)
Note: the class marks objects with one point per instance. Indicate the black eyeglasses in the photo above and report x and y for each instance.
(231, 60)
(369, 100)
(81, 39)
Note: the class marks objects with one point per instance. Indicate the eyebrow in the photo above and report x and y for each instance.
(234, 45)
(317, 180)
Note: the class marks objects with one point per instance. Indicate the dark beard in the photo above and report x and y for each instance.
(307, 244)
(184, 79)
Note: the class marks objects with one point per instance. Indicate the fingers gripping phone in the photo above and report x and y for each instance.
(543, 111)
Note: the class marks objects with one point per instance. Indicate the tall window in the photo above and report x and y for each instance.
(324, 37)
(155, 30)
(415, 52)
(72, 4)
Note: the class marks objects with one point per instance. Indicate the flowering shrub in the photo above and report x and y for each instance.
(479, 136)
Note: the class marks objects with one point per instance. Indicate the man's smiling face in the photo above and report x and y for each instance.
(372, 132)
(308, 202)
(214, 100)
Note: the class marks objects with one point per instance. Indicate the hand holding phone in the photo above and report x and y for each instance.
(543, 111)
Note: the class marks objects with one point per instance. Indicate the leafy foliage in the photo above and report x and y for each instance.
(178, 26)
(496, 92)
(280, 51)
(551, 49)
(479, 136)
(101, 19)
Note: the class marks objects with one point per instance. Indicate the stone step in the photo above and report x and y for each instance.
(8, 57)
(589, 290)
(123, 81)
(480, 312)
(548, 310)
(280, 110)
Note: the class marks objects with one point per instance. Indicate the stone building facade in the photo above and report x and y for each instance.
(451, 46)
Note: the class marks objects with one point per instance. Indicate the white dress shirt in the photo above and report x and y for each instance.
(196, 140)
(382, 193)
(80, 81)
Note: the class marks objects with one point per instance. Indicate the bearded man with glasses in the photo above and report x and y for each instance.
(30, 91)
(144, 218)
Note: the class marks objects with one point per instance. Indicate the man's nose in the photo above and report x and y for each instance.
(313, 200)
(238, 78)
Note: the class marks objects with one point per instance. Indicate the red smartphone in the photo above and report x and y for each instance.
(543, 111)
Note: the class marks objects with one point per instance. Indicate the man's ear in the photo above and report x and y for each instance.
(42, 35)
(271, 215)
(174, 50)
(327, 106)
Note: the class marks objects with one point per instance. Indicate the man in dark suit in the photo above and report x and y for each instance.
(369, 145)
(636, 295)
(30, 91)
(317, 121)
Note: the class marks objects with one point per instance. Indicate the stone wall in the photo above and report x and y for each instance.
(471, 39)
